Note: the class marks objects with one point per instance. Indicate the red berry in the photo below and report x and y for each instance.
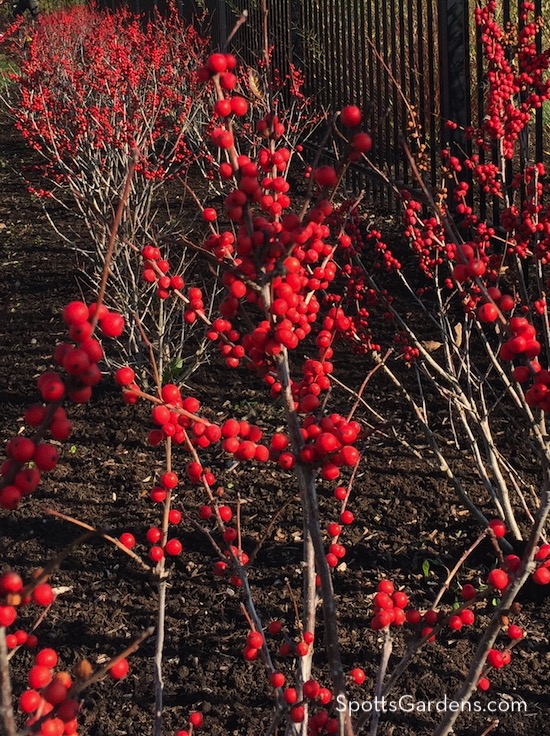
(124, 376)
(225, 513)
(173, 547)
(112, 325)
(46, 658)
(430, 617)
(217, 63)
(10, 582)
(358, 675)
(487, 312)
(498, 579)
(39, 677)
(8, 614)
(498, 527)
(196, 719)
(239, 106)
(277, 679)
(174, 516)
(209, 214)
(274, 627)
(75, 312)
(250, 653)
(29, 701)
(455, 623)
(468, 592)
(311, 689)
(413, 616)
(128, 540)
(169, 480)
(21, 449)
(515, 632)
(290, 695)
(383, 600)
(483, 683)
(467, 616)
(205, 512)
(325, 176)
(120, 669)
(43, 594)
(362, 142)
(400, 599)
(156, 553)
(297, 714)
(495, 659)
(46, 457)
(351, 116)
(55, 693)
(255, 639)
(541, 576)
(153, 535)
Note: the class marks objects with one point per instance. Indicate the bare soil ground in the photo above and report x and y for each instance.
(406, 518)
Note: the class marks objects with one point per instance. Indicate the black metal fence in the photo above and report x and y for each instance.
(384, 56)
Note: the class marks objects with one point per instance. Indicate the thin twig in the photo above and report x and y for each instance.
(107, 537)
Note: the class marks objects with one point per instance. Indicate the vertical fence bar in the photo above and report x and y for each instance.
(378, 88)
(421, 60)
(432, 96)
(372, 86)
(394, 54)
(480, 115)
(403, 82)
(365, 54)
(386, 95)
(463, 140)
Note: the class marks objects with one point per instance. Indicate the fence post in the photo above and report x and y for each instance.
(454, 61)
(455, 78)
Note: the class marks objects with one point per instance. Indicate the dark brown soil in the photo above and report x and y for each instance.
(406, 519)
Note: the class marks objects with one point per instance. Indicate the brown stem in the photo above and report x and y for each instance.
(268, 529)
(457, 567)
(147, 342)
(107, 537)
(238, 24)
(112, 238)
(78, 687)
(53, 564)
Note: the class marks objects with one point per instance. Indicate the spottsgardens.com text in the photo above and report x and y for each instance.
(408, 704)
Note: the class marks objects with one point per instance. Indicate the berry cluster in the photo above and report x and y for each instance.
(28, 457)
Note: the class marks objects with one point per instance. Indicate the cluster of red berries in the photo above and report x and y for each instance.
(254, 642)
(498, 658)
(221, 65)
(28, 457)
(48, 696)
(155, 270)
(312, 690)
(505, 118)
(47, 702)
(389, 606)
(173, 547)
(329, 444)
